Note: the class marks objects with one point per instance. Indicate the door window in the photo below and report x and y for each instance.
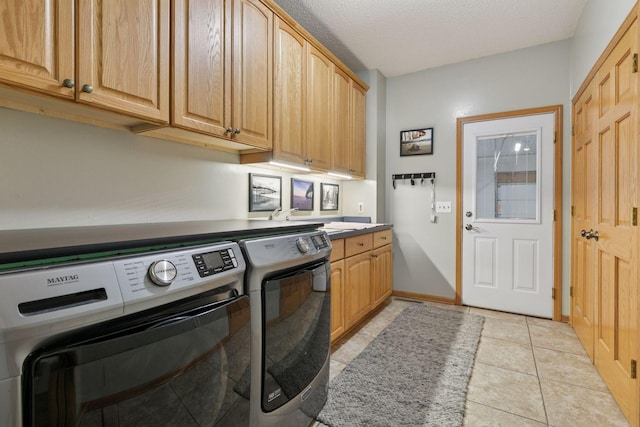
(507, 185)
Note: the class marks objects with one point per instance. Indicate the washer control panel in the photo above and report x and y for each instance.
(174, 274)
(214, 262)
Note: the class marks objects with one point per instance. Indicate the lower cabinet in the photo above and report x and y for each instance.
(361, 278)
(357, 296)
(337, 299)
(382, 277)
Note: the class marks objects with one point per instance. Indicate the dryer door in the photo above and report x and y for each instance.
(182, 364)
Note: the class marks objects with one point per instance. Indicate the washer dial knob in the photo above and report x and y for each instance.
(162, 272)
(303, 245)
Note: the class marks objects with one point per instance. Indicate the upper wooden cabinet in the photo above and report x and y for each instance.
(341, 127)
(37, 45)
(289, 97)
(252, 63)
(348, 142)
(121, 52)
(200, 82)
(318, 124)
(123, 56)
(222, 76)
(358, 142)
(234, 75)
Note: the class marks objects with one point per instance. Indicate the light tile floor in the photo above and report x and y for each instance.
(528, 372)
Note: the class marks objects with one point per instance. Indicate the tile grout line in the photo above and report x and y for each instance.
(535, 364)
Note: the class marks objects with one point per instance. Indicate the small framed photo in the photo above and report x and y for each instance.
(416, 142)
(265, 192)
(301, 194)
(329, 194)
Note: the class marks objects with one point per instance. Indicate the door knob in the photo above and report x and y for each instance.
(468, 227)
(590, 234)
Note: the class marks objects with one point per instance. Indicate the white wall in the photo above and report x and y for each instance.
(56, 173)
(424, 258)
(598, 23)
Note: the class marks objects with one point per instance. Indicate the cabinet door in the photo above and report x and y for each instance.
(358, 146)
(382, 274)
(357, 295)
(201, 72)
(289, 94)
(337, 299)
(252, 84)
(123, 56)
(37, 45)
(341, 124)
(319, 99)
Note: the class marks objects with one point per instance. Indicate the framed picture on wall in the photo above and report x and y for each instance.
(329, 197)
(301, 194)
(416, 142)
(265, 192)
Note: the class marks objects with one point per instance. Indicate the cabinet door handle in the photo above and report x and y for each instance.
(68, 83)
(87, 88)
(360, 244)
(229, 129)
(237, 131)
(374, 256)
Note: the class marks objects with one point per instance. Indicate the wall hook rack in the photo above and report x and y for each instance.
(412, 177)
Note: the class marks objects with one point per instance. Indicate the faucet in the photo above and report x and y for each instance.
(278, 211)
(274, 214)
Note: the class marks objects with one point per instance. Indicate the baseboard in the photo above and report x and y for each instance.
(564, 318)
(423, 297)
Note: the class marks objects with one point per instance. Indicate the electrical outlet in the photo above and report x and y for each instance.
(360, 207)
(443, 207)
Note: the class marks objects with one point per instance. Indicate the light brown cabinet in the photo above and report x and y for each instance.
(289, 97)
(348, 139)
(382, 276)
(201, 71)
(120, 51)
(37, 44)
(302, 103)
(365, 278)
(222, 70)
(358, 141)
(340, 127)
(252, 81)
(318, 110)
(357, 296)
(337, 299)
(123, 56)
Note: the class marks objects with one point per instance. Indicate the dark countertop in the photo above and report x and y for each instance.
(341, 234)
(69, 243)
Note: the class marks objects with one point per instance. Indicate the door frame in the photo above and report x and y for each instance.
(557, 196)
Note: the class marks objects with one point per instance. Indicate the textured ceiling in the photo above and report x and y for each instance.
(403, 36)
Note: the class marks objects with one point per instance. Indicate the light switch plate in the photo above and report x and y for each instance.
(443, 207)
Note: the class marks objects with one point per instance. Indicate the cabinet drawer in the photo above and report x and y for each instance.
(381, 238)
(358, 244)
(337, 252)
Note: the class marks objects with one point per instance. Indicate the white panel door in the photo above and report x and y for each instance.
(507, 244)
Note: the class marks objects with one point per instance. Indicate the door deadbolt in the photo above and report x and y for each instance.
(468, 214)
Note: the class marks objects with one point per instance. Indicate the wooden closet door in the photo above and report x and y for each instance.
(584, 202)
(616, 343)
